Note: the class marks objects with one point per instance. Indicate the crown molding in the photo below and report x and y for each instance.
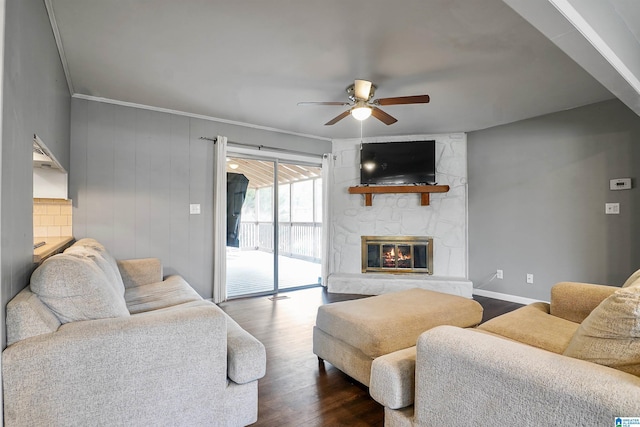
(56, 35)
(195, 116)
(72, 92)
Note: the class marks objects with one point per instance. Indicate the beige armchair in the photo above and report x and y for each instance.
(540, 365)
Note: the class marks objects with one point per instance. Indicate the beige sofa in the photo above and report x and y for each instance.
(93, 341)
(573, 362)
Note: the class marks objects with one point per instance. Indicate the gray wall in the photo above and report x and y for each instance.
(537, 193)
(134, 173)
(35, 100)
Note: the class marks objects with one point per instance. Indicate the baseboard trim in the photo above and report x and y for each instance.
(504, 297)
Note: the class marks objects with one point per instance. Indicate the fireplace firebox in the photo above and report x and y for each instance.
(397, 254)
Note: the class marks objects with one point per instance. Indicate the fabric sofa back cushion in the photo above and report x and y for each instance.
(75, 288)
(106, 256)
(113, 279)
(610, 335)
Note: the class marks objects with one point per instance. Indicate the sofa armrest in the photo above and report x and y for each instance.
(138, 272)
(152, 368)
(246, 356)
(468, 378)
(575, 301)
(392, 381)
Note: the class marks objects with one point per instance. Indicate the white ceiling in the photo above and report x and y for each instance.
(251, 62)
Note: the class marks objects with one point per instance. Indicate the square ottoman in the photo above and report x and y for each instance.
(350, 334)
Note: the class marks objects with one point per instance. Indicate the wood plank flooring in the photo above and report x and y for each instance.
(298, 390)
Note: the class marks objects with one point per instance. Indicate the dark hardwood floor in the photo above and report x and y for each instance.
(298, 390)
(494, 307)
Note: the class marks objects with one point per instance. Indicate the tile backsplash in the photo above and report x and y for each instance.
(52, 218)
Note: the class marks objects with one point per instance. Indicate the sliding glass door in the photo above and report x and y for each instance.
(250, 254)
(299, 226)
(274, 226)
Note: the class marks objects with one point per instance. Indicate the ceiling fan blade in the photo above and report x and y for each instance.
(382, 116)
(362, 89)
(399, 100)
(303, 104)
(337, 118)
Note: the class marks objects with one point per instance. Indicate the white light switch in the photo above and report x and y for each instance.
(194, 209)
(612, 208)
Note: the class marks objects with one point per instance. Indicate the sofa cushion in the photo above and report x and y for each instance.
(75, 288)
(610, 335)
(106, 256)
(137, 272)
(574, 301)
(533, 325)
(171, 291)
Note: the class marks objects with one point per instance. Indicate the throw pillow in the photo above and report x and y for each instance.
(632, 279)
(76, 289)
(610, 335)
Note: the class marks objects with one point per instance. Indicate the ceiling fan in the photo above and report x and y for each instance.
(360, 94)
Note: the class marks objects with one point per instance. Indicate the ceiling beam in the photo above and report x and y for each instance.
(596, 36)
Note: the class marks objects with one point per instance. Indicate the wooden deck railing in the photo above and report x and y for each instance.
(296, 239)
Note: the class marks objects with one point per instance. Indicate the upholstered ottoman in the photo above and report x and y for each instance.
(350, 334)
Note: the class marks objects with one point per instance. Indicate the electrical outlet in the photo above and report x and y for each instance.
(499, 274)
(612, 208)
(529, 278)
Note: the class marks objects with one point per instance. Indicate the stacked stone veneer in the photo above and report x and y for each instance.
(445, 219)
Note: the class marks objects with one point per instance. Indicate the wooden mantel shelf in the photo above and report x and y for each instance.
(423, 190)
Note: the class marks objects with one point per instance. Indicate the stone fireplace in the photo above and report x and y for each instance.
(444, 220)
(397, 254)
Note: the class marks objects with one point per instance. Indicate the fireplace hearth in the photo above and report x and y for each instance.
(397, 254)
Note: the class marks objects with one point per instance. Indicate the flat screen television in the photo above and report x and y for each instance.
(398, 163)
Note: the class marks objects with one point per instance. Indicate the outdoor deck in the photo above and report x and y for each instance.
(251, 271)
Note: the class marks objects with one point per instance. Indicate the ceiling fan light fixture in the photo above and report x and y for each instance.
(361, 112)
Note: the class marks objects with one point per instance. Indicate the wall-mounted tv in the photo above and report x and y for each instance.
(398, 163)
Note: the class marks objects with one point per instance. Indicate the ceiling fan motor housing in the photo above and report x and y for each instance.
(351, 92)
